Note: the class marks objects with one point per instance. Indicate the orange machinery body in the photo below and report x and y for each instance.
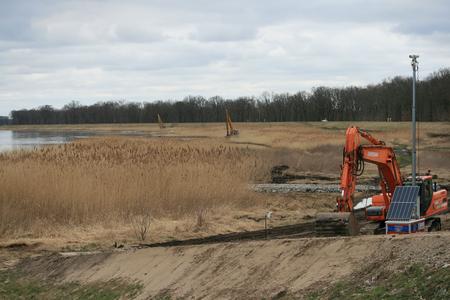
(432, 202)
(230, 130)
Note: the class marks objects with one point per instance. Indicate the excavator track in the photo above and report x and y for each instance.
(327, 225)
(335, 224)
(299, 230)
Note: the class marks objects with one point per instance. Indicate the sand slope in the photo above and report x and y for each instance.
(250, 269)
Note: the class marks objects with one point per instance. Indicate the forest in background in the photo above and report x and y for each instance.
(390, 99)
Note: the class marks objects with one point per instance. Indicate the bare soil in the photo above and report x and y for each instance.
(249, 270)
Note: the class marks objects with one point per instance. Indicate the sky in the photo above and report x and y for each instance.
(53, 52)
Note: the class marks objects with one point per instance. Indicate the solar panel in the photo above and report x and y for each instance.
(403, 203)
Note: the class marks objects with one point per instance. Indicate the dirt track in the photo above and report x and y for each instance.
(250, 269)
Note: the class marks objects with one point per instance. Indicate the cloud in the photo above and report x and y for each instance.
(52, 52)
(222, 33)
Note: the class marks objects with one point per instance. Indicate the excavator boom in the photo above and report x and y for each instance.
(354, 158)
(355, 155)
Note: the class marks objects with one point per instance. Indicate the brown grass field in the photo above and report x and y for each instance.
(186, 180)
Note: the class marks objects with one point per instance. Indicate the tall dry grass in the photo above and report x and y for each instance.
(113, 179)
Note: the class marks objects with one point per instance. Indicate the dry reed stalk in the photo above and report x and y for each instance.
(103, 179)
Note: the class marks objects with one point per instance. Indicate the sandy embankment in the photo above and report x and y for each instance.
(250, 269)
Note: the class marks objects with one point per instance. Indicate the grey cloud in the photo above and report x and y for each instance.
(223, 33)
(56, 51)
(432, 27)
(136, 34)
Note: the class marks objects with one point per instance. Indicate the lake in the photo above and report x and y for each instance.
(14, 140)
(29, 139)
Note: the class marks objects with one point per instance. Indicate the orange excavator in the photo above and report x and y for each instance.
(230, 130)
(432, 201)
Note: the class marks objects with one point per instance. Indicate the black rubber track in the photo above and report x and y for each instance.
(296, 230)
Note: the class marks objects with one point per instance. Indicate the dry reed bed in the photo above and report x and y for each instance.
(104, 180)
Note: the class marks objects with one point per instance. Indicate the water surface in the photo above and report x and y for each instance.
(14, 140)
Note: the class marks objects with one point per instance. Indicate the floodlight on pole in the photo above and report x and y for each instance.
(415, 67)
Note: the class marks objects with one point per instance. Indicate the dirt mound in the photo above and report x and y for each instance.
(259, 269)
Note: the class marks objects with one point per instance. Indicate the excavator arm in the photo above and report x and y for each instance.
(230, 129)
(354, 158)
(352, 166)
(355, 155)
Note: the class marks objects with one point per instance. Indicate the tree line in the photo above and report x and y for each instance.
(388, 100)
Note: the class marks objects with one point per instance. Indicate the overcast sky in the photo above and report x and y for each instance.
(52, 52)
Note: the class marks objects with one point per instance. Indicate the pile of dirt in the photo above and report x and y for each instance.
(258, 269)
(282, 174)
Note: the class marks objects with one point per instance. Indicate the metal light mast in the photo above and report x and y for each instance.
(415, 67)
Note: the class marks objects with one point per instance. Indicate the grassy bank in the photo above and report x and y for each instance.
(15, 285)
(416, 282)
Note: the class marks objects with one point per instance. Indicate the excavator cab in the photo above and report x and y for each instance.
(433, 201)
(426, 195)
